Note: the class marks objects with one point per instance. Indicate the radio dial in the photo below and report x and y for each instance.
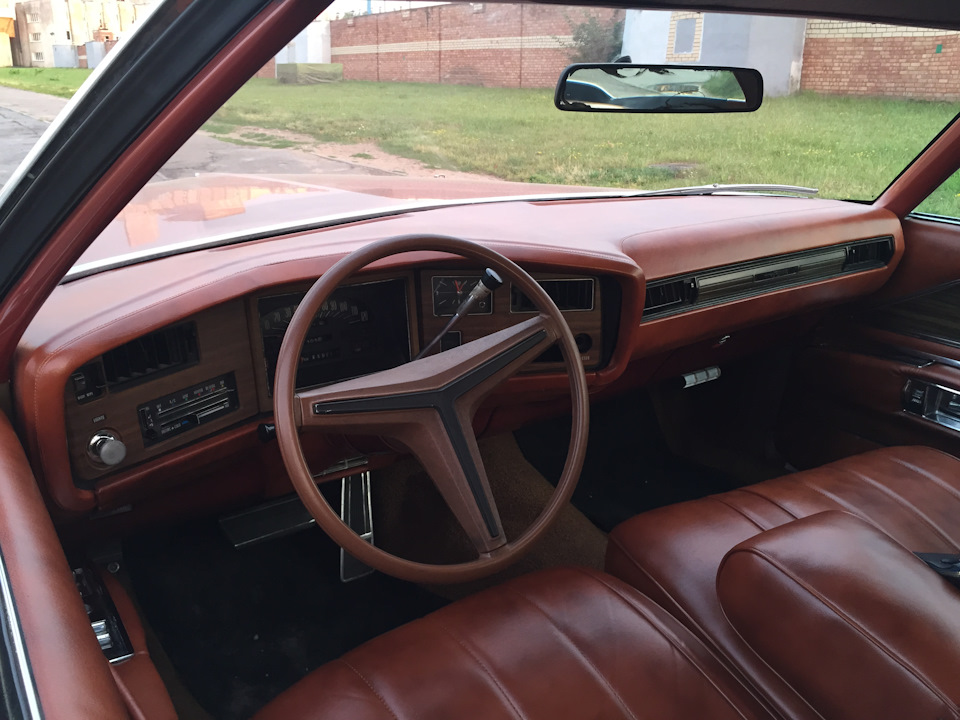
(106, 448)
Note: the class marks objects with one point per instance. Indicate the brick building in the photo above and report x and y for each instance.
(467, 44)
(849, 58)
(528, 45)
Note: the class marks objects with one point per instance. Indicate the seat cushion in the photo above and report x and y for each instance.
(672, 554)
(564, 643)
(831, 604)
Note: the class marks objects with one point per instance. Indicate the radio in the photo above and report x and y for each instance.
(191, 407)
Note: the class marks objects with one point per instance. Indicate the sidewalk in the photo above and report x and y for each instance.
(33, 105)
(25, 115)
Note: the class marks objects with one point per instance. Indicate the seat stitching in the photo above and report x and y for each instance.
(690, 620)
(579, 653)
(372, 689)
(506, 696)
(719, 499)
(904, 502)
(852, 509)
(930, 476)
(670, 637)
(752, 491)
(867, 635)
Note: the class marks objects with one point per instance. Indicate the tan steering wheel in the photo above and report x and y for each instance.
(428, 405)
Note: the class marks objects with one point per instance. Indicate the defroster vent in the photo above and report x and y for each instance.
(669, 295)
(568, 294)
(159, 352)
(868, 254)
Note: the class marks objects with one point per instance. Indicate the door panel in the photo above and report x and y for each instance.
(850, 392)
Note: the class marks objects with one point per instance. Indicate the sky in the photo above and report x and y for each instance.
(359, 7)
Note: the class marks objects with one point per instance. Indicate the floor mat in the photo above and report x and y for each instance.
(628, 467)
(413, 521)
(240, 626)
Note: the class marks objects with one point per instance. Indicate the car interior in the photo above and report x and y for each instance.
(615, 456)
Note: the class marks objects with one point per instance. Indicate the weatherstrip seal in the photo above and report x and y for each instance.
(13, 637)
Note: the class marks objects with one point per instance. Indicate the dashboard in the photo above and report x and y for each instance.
(186, 381)
(128, 382)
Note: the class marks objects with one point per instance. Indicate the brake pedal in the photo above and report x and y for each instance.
(357, 512)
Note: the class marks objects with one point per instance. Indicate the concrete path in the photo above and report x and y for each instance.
(25, 115)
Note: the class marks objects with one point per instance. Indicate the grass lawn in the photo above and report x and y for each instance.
(847, 147)
(62, 82)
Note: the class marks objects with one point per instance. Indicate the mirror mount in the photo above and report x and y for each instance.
(626, 87)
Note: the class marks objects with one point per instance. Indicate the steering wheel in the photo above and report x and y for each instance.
(428, 405)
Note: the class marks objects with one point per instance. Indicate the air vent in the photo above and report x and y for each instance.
(150, 355)
(869, 254)
(568, 294)
(669, 296)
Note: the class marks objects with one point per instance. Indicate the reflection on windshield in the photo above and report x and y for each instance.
(421, 101)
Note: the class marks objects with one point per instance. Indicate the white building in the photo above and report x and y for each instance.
(774, 46)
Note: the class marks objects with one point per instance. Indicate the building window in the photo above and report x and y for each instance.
(34, 37)
(38, 56)
(68, 35)
(33, 17)
(685, 36)
(686, 32)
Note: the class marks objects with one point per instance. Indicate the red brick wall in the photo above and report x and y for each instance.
(467, 44)
(877, 60)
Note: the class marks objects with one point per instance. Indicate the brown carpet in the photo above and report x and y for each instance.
(411, 519)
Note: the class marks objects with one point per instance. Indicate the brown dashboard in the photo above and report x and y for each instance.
(216, 317)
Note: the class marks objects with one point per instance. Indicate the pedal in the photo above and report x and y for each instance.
(265, 522)
(357, 512)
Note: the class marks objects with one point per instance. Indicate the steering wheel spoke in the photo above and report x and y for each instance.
(447, 449)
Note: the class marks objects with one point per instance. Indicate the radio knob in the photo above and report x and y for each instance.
(106, 448)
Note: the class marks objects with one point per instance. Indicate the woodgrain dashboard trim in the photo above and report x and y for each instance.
(473, 327)
(224, 348)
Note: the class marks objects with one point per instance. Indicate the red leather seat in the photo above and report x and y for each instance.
(857, 624)
(673, 554)
(559, 644)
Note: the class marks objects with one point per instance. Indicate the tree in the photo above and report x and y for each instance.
(594, 41)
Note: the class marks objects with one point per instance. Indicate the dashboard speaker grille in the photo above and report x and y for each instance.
(157, 352)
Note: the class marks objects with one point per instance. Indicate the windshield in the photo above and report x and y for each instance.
(377, 105)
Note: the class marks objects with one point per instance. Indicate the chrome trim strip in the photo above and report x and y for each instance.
(97, 266)
(22, 672)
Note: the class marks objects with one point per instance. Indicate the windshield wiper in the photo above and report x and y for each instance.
(715, 188)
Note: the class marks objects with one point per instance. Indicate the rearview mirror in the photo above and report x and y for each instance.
(620, 87)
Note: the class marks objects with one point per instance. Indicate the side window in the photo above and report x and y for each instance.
(945, 200)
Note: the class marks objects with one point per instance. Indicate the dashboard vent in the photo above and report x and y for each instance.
(159, 352)
(869, 254)
(669, 296)
(568, 293)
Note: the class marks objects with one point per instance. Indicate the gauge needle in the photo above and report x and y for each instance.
(488, 283)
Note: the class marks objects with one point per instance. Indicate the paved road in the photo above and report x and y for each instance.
(25, 115)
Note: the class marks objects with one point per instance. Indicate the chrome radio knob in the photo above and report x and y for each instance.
(106, 448)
